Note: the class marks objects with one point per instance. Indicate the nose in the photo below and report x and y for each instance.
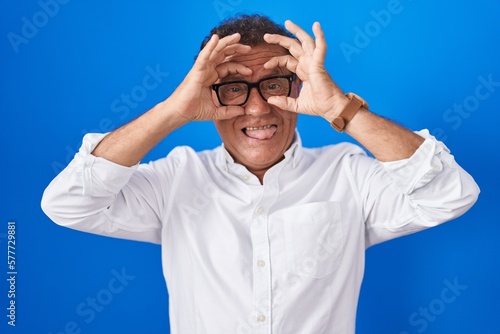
(256, 105)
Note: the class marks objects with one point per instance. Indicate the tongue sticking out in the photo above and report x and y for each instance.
(265, 132)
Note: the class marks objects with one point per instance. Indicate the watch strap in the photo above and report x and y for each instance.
(355, 103)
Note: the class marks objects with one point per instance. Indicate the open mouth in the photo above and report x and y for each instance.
(261, 132)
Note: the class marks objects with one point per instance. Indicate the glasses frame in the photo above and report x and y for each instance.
(250, 85)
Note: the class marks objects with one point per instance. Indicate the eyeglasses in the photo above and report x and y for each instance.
(236, 93)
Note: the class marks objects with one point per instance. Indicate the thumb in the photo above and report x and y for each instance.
(283, 102)
(228, 112)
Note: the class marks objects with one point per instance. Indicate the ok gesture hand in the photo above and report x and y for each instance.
(193, 98)
(319, 94)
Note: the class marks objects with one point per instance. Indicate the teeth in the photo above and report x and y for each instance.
(259, 128)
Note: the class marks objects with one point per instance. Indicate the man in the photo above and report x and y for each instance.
(261, 235)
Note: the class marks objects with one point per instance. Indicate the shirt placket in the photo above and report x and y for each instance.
(262, 259)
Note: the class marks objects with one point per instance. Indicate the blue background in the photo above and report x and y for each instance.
(67, 77)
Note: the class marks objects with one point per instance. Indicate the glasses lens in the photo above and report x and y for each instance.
(275, 87)
(233, 93)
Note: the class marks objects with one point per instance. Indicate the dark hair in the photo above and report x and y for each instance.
(251, 27)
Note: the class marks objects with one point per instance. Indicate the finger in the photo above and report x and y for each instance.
(291, 44)
(226, 41)
(286, 61)
(218, 57)
(225, 69)
(320, 41)
(229, 112)
(209, 48)
(227, 46)
(235, 49)
(307, 41)
(283, 102)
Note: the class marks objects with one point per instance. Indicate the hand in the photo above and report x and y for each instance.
(319, 94)
(192, 100)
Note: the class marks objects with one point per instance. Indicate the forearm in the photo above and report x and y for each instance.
(95, 195)
(86, 187)
(386, 140)
(128, 144)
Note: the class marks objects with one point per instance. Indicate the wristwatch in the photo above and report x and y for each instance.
(355, 103)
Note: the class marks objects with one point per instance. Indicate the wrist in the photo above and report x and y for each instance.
(354, 104)
(360, 116)
(168, 113)
(340, 101)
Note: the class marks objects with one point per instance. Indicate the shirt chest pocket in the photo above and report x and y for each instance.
(313, 239)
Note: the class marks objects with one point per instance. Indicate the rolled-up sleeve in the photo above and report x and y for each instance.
(98, 196)
(406, 196)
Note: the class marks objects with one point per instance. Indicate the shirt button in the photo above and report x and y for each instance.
(261, 263)
(260, 210)
(245, 177)
(261, 318)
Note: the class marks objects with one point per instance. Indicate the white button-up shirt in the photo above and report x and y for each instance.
(240, 257)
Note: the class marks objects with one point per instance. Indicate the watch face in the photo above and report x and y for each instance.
(352, 95)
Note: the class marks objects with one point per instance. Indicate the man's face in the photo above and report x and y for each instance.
(258, 139)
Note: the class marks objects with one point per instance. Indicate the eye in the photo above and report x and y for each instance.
(233, 89)
(273, 86)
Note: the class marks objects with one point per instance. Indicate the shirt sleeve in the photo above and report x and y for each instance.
(98, 196)
(405, 196)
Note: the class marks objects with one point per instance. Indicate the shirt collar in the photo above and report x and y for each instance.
(295, 150)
